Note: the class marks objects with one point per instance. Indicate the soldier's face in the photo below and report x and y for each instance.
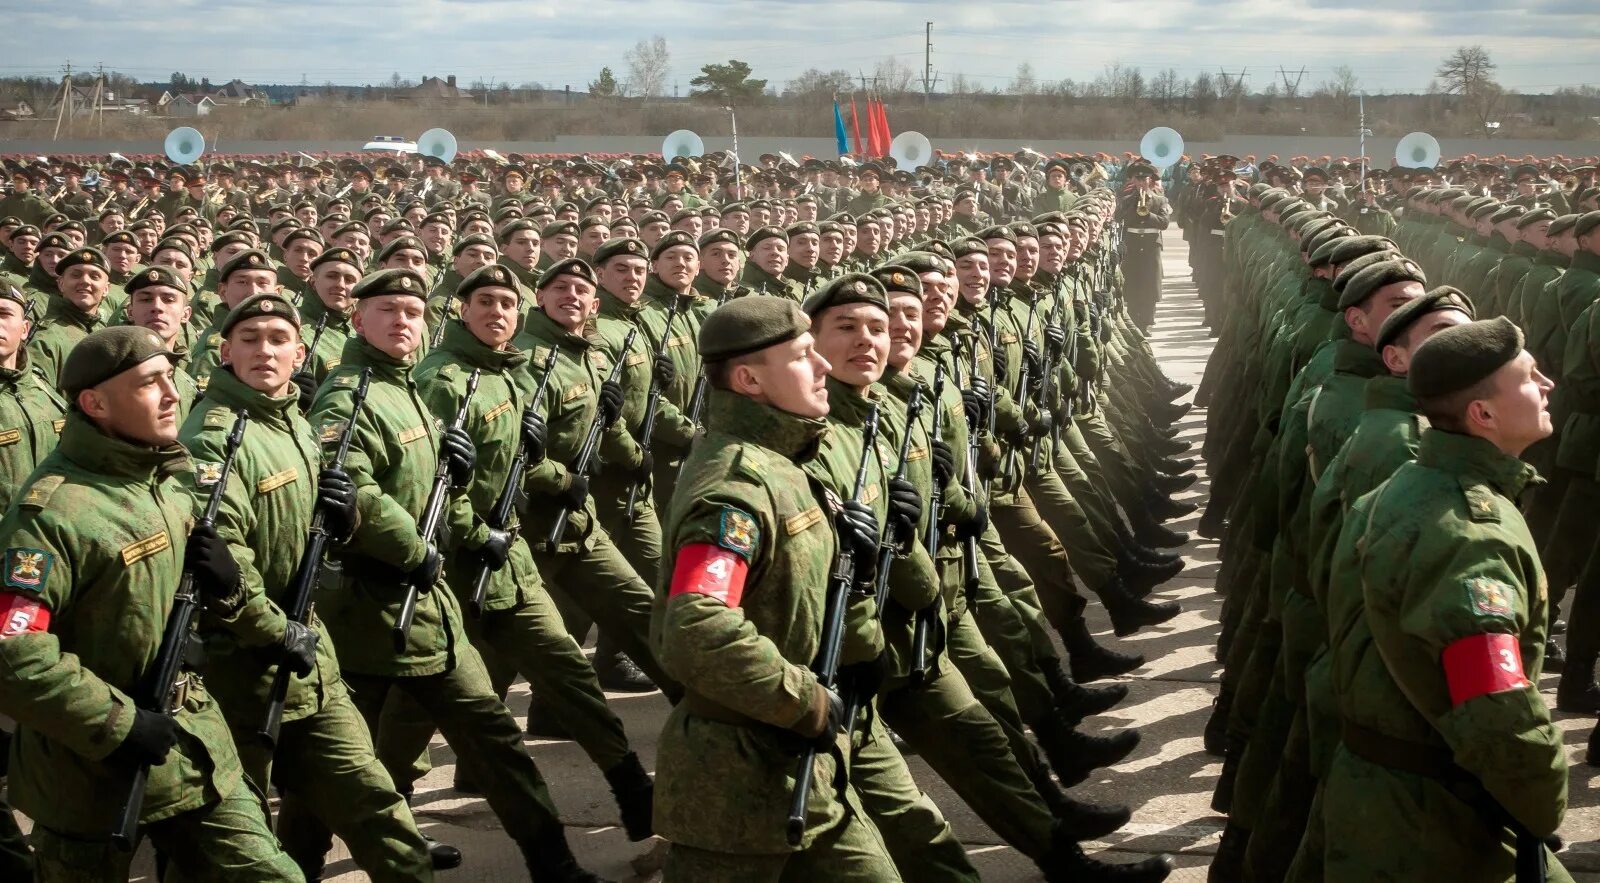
(561, 246)
(1027, 257)
(1365, 319)
(333, 283)
(854, 338)
(1056, 178)
(790, 377)
(905, 328)
(264, 352)
(299, 255)
(1052, 253)
(738, 222)
(593, 237)
(568, 300)
(869, 239)
(84, 286)
(139, 405)
(394, 323)
(473, 257)
(1002, 261)
(771, 254)
(806, 211)
(241, 284)
(407, 259)
(176, 261)
(624, 276)
(804, 249)
(1517, 412)
(160, 308)
(720, 262)
(25, 247)
(831, 247)
(677, 267)
(121, 256)
(13, 331)
(491, 314)
(523, 247)
(972, 277)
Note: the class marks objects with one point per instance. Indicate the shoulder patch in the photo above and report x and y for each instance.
(1481, 503)
(346, 381)
(217, 418)
(207, 474)
(330, 432)
(540, 353)
(1491, 597)
(449, 370)
(738, 532)
(40, 491)
(330, 364)
(59, 425)
(27, 568)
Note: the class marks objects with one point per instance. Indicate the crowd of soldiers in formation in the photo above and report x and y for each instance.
(302, 469)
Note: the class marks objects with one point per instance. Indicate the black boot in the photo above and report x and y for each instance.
(1222, 796)
(550, 860)
(1089, 661)
(1066, 862)
(1139, 550)
(1074, 755)
(1079, 821)
(1577, 691)
(1228, 865)
(442, 855)
(1175, 484)
(617, 672)
(542, 723)
(1172, 466)
(1075, 701)
(1130, 614)
(1212, 523)
(1216, 732)
(1171, 413)
(1164, 508)
(1149, 530)
(1175, 390)
(1555, 656)
(635, 794)
(1142, 577)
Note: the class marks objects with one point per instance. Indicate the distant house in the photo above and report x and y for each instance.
(22, 110)
(433, 89)
(185, 104)
(239, 92)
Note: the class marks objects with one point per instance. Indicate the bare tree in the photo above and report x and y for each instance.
(893, 76)
(960, 84)
(1025, 83)
(1202, 92)
(649, 64)
(1166, 88)
(1469, 74)
(815, 83)
(1344, 83)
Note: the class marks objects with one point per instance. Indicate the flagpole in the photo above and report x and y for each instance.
(738, 176)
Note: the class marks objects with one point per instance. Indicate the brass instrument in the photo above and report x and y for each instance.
(60, 192)
(137, 208)
(1144, 202)
(107, 201)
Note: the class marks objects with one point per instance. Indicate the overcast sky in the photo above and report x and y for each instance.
(1392, 46)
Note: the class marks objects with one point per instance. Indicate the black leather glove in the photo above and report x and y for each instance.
(610, 402)
(457, 448)
(534, 434)
(336, 497)
(905, 509)
(863, 680)
(999, 363)
(299, 648)
(665, 372)
(1033, 358)
(646, 468)
(307, 384)
(576, 492)
(149, 740)
(975, 400)
(1056, 336)
(216, 574)
(426, 573)
(1043, 423)
(1019, 436)
(857, 529)
(496, 548)
(944, 464)
(974, 527)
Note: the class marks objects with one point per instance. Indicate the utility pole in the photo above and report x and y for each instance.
(1291, 91)
(97, 112)
(1234, 83)
(927, 64)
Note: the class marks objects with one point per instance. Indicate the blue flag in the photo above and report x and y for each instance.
(838, 129)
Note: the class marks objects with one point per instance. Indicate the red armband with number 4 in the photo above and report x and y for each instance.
(1483, 664)
(704, 569)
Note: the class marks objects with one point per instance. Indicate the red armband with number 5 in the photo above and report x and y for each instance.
(20, 614)
(1483, 664)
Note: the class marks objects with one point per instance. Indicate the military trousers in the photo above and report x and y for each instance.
(914, 831)
(1141, 261)
(1091, 560)
(1577, 513)
(1004, 635)
(853, 852)
(16, 860)
(1036, 547)
(227, 841)
(327, 761)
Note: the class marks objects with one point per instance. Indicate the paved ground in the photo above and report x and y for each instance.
(1167, 781)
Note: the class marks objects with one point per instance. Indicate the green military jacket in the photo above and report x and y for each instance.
(265, 517)
(31, 420)
(759, 281)
(727, 753)
(394, 454)
(570, 405)
(664, 318)
(324, 333)
(1443, 554)
(62, 327)
(494, 420)
(1547, 267)
(1578, 404)
(96, 539)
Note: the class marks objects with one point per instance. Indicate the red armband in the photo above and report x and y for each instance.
(705, 569)
(20, 614)
(1483, 664)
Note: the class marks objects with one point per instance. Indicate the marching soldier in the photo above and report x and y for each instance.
(1145, 214)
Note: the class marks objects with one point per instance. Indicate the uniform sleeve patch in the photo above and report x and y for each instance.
(28, 568)
(20, 614)
(39, 492)
(207, 474)
(738, 532)
(345, 381)
(1491, 597)
(331, 431)
(218, 418)
(704, 569)
(795, 524)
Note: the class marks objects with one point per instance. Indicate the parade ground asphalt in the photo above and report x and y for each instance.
(1167, 781)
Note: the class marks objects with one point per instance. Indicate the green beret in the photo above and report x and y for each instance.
(1343, 251)
(467, 242)
(801, 229)
(684, 214)
(1586, 223)
(307, 233)
(1439, 300)
(1539, 214)
(338, 254)
(559, 228)
(1322, 244)
(570, 267)
(488, 276)
(56, 240)
(398, 225)
(671, 239)
(1024, 230)
(921, 262)
(107, 353)
(394, 281)
(515, 227)
(999, 231)
(351, 227)
(121, 237)
(592, 221)
(237, 238)
(1461, 356)
(1365, 283)
(25, 230)
(11, 293)
(623, 246)
(760, 234)
(653, 217)
(732, 207)
(721, 234)
(1356, 265)
(90, 256)
(851, 288)
(898, 278)
(152, 276)
(399, 244)
(250, 259)
(264, 304)
(177, 245)
(1557, 227)
(749, 324)
(968, 245)
(936, 246)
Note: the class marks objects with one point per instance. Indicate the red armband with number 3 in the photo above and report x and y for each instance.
(1483, 664)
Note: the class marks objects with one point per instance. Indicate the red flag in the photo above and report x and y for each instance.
(855, 123)
(879, 147)
(888, 134)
